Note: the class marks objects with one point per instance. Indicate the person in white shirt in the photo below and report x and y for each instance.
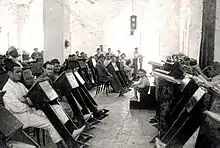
(136, 56)
(142, 86)
(127, 66)
(15, 102)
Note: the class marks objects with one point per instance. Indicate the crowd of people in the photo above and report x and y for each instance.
(103, 68)
(115, 68)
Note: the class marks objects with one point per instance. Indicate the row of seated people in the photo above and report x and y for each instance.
(187, 94)
(22, 107)
(92, 72)
(110, 71)
(101, 70)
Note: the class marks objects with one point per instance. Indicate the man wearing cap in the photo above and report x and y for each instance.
(13, 54)
(35, 55)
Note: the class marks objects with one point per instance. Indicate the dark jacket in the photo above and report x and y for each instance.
(103, 73)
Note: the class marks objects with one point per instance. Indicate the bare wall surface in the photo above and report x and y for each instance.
(217, 33)
(163, 27)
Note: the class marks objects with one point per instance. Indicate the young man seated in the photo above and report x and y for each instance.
(56, 64)
(104, 75)
(113, 69)
(49, 72)
(15, 102)
(142, 86)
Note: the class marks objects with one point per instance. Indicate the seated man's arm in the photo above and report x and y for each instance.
(12, 102)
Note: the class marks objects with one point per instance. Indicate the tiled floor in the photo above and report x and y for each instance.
(123, 128)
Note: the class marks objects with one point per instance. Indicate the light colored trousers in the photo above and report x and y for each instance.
(38, 119)
(16, 144)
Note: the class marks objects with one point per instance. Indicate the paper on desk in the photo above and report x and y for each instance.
(72, 80)
(50, 92)
(79, 77)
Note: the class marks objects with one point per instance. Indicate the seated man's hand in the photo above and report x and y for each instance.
(32, 110)
(23, 100)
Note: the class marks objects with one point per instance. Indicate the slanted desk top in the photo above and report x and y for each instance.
(42, 85)
(166, 77)
(158, 64)
(79, 77)
(66, 75)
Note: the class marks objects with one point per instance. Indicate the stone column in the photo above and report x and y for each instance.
(67, 31)
(217, 33)
(195, 28)
(56, 29)
(190, 27)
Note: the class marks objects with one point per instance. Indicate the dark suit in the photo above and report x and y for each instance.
(111, 70)
(104, 76)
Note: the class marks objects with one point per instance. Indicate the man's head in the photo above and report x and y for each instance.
(101, 47)
(136, 49)
(114, 59)
(109, 50)
(141, 73)
(98, 50)
(123, 56)
(101, 58)
(36, 49)
(12, 51)
(77, 53)
(56, 65)
(108, 57)
(48, 68)
(82, 54)
(13, 69)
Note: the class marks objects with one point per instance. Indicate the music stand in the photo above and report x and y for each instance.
(89, 101)
(188, 121)
(41, 94)
(66, 83)
(165, 85)
(187, 88)
(83, 89)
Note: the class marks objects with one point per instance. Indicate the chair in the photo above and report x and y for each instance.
(102, 86)
(35, 131)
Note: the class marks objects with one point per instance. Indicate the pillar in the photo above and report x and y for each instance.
(217, 33)
(56, 29)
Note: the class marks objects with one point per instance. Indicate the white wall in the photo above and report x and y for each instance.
(53, 19)
(86, 26)
(22, 26)
(190, 27)
(32, 35)
(217, 33)
(163, 27)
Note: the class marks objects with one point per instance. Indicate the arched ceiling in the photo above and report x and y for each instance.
(11, 3)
